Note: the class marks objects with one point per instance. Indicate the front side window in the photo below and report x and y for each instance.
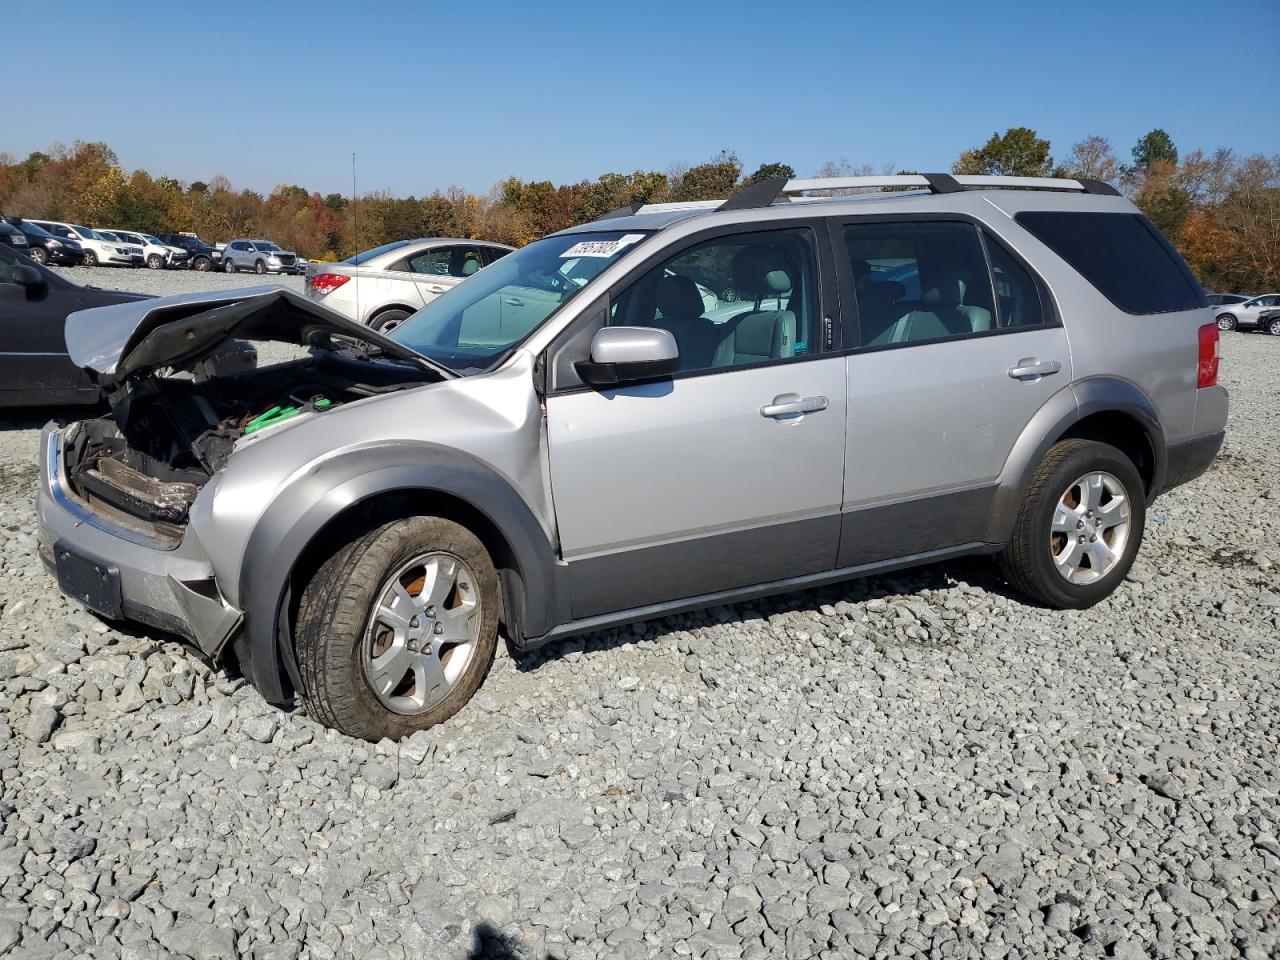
(919, 282)
(478, 324)
(743, 299)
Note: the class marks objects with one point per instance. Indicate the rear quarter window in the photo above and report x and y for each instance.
(1122, 255)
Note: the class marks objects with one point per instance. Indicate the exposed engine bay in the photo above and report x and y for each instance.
(167, 435)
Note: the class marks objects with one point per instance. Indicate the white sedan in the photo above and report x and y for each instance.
(383, 286)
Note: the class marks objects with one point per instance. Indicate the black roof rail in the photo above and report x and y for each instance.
(760, 194)
(1098, 187)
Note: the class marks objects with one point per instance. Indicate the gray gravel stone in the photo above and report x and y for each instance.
(915, 765)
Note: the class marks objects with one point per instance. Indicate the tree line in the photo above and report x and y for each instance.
(1221, 210)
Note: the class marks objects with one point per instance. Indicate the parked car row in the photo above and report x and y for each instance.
(1235, 311)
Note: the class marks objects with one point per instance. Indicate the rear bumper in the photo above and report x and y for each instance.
(1189, 459)
(171, 588)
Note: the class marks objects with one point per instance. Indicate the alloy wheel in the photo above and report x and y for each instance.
(1226, 322)
(423, 630)
(1273, 327)
(1090, 527)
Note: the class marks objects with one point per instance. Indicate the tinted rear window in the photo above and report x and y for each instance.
(1122, 255)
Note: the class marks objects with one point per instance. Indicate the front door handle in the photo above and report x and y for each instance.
(514, 301)
(788, 405)
(436, 288)
(1029, 368)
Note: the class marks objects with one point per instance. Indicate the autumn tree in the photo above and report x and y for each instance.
(1092, 158)
(1018, 152)
(713, 180)
(770, 171)
(1152, 149)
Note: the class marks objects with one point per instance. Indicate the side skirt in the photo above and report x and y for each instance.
(656, 610)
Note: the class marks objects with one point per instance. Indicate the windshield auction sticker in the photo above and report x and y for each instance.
(601, 248)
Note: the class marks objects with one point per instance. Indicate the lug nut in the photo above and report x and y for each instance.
(439, 628)
(415, 622)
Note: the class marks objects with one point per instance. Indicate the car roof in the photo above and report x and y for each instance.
(861, 195)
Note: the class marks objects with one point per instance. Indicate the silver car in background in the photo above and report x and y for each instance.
(1246, 315)
(383, 286)
(260, 256)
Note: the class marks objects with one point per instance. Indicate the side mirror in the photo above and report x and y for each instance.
(27, 276)
(622, 355)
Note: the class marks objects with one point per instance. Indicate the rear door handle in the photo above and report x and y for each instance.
(787, 405)
(1029, 368)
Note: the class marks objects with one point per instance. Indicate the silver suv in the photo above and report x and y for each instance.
(671, 407)
(260, 256)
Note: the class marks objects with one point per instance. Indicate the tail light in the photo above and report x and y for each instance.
(1207, 369)
(323, 283)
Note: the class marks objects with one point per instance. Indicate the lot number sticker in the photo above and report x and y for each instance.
(601, 248)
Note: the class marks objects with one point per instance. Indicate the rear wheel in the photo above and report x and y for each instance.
(397, 630)
(90, 258)
(155, 262)
(1226, 322)
(1079, 528)
(1273, 327)
(388, 320)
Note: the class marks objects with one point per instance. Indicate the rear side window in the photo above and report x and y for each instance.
(919, 282)
(1122, 255)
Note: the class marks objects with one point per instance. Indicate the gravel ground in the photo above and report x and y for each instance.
(912, 765)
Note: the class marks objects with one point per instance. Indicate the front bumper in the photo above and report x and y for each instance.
(131, 574)
(65, 256)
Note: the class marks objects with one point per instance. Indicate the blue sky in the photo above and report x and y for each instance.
(433, 94)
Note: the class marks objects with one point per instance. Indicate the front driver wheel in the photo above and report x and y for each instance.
(229, 265)
(1273, 327)
(90, 258)
(1079, 527)
(397, 630)
(1226, 322)
(155, 262)
(259, 267)
(38, 255)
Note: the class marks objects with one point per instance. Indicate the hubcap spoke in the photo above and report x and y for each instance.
(1115, 511)
(388, 670)
(1091, 491)
(1065, 520)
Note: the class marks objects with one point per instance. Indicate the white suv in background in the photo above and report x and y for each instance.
(98, 250)
(383, 286)
(155, 254)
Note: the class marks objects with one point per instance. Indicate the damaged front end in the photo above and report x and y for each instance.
(120, 492)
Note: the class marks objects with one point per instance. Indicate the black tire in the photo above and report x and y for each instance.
(155, 262)
(388, 320)
(1226, 322)
(38, 255)
(334, 613)
(202, 264)
(1273, 326)
(90, 258)
(259, 267)
(228, 265)
(1027, 560)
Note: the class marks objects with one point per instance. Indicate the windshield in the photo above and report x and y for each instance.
(477, 323)
(367, 255)
(31, 230)
(265, 246)
(105, 235)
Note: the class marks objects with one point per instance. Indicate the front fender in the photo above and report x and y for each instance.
(306, 505)
(1065, 409)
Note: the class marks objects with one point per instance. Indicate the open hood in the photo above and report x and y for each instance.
(120, 340)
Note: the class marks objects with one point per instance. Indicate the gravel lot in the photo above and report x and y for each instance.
(913, 765)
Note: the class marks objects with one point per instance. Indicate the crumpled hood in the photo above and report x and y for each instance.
(117, 341)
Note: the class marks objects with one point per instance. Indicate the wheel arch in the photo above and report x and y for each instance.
(325, 507)
(1106, 409)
